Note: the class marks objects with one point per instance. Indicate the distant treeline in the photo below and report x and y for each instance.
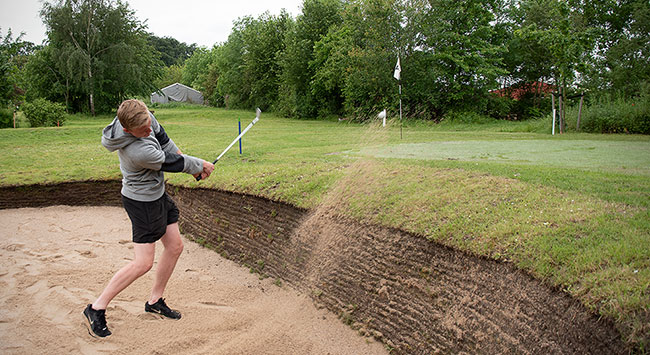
(338, 57)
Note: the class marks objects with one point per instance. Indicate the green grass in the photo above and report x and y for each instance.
(581, 154)
(570, 209)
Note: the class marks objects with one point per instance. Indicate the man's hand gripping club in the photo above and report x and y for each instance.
(208, 168)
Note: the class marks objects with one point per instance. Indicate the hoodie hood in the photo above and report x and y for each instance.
(114, 137)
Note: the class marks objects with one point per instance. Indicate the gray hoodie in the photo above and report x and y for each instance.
(143, 160)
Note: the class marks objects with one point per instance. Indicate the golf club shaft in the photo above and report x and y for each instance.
(198, 178)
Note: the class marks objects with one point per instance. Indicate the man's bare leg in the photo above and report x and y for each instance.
(173, 248)
(144, 255)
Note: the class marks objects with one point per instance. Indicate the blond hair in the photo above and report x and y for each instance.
(132, 113)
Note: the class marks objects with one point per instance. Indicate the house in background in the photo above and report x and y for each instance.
(518, 91)
(177, 93)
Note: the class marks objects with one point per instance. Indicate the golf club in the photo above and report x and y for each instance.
(258, 112)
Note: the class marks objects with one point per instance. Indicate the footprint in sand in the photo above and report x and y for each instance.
(87, 253)
(48, 258)
(97, 346)
(214, 305)
(13, 247)
(149, 316)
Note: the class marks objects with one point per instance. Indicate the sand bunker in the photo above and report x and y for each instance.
(415, 296)
(57, 259)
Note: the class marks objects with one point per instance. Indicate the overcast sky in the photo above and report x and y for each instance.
(202, 22)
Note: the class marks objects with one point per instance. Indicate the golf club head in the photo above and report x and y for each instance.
(258, 112)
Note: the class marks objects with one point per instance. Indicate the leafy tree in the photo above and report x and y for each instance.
(101, 51)
(621, 57)
(263, 43)
(317, 17)
(247, 63)
(459, 46)
(230, 66)
(353, 63)
(194, 70)
(560, 30)
(202, 73)
(14, 53)
(45, 79)
(330, 65)
(6, 85)
(171, 74)
(172, 52)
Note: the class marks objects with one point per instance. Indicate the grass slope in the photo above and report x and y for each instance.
(570, 209)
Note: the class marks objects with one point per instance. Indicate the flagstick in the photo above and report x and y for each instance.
(397, 75)
(400, 110)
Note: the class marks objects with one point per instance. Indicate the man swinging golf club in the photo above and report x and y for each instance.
(145, 152)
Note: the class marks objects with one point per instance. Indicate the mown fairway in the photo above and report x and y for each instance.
(571, 209)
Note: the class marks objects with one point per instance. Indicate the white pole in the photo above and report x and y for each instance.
(553, 103)
(400, 111)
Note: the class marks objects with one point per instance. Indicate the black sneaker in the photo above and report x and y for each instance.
(96, 322)
(161, 308)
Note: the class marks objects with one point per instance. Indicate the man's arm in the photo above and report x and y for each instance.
(166, 143)
(149, 156)
(175, 161)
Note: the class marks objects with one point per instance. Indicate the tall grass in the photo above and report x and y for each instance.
(610, 114)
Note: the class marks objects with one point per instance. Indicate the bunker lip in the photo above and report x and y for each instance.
(416, 296)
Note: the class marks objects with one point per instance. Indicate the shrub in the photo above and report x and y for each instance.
(617, 116)
(41, 112)
(499, 107)
(6, 118)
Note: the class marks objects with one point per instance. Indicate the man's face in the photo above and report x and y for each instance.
(142, 131)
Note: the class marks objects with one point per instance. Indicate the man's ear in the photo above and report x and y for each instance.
(125, 130)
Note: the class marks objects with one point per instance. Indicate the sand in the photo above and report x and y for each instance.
(56, 260)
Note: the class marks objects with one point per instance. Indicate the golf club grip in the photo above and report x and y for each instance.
(198, 178)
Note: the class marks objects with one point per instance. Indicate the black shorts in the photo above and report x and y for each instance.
(149, 220)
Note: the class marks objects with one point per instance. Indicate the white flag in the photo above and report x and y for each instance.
(382, 115)
(398, 70)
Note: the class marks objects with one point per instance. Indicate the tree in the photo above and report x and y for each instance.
(172, 52)
(14, 53)
(317, 17)
(229, 62)
(247, 64)
(194, 70)
(263, 43)
(560, 30)
(620, 63)
(101, 51)
(171, 74)
(202, 73)
(460, 46)
(353, 63)
(45, 80)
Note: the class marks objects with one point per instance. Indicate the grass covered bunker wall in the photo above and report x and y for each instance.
(416, 296)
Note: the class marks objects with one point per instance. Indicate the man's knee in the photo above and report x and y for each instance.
(142, 266)
(175, 248)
